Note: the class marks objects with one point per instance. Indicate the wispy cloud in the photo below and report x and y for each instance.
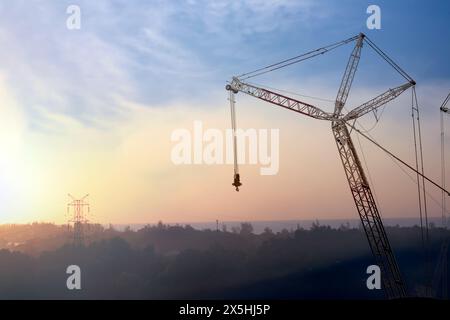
(152, 52)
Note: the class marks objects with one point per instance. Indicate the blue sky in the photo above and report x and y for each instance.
(158, 52)
(92, 110)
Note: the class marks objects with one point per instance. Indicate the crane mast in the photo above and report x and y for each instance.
(443, 109)
(441, 268)
(368, 212)
(362, 194)
(393, 284)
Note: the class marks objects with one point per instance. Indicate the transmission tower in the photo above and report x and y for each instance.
(78, 218)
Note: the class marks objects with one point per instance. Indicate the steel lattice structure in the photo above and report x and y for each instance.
(393, 284)
(78, 218)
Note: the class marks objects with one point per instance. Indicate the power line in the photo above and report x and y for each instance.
(396, 158)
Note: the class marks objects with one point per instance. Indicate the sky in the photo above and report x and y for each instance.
(92, 110)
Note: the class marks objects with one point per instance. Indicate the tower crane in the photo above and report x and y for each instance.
(443, 110)
(393, 284)
(440, 275)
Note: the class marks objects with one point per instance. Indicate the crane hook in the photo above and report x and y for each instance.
(237, 181)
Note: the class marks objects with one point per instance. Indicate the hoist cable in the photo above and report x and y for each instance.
(236, 181)
(233, 128)
(421, 161)
(417, 171)
(421, 185)
(443, 200)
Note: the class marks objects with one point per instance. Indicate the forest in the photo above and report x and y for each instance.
(179, 262)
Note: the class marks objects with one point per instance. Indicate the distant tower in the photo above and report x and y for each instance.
(78, 218)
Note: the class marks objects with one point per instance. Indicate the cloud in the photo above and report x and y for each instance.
(244, 18)
(54, 70)
(147, 52)
(92, 111)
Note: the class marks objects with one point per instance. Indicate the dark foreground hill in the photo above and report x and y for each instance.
(164, 262)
